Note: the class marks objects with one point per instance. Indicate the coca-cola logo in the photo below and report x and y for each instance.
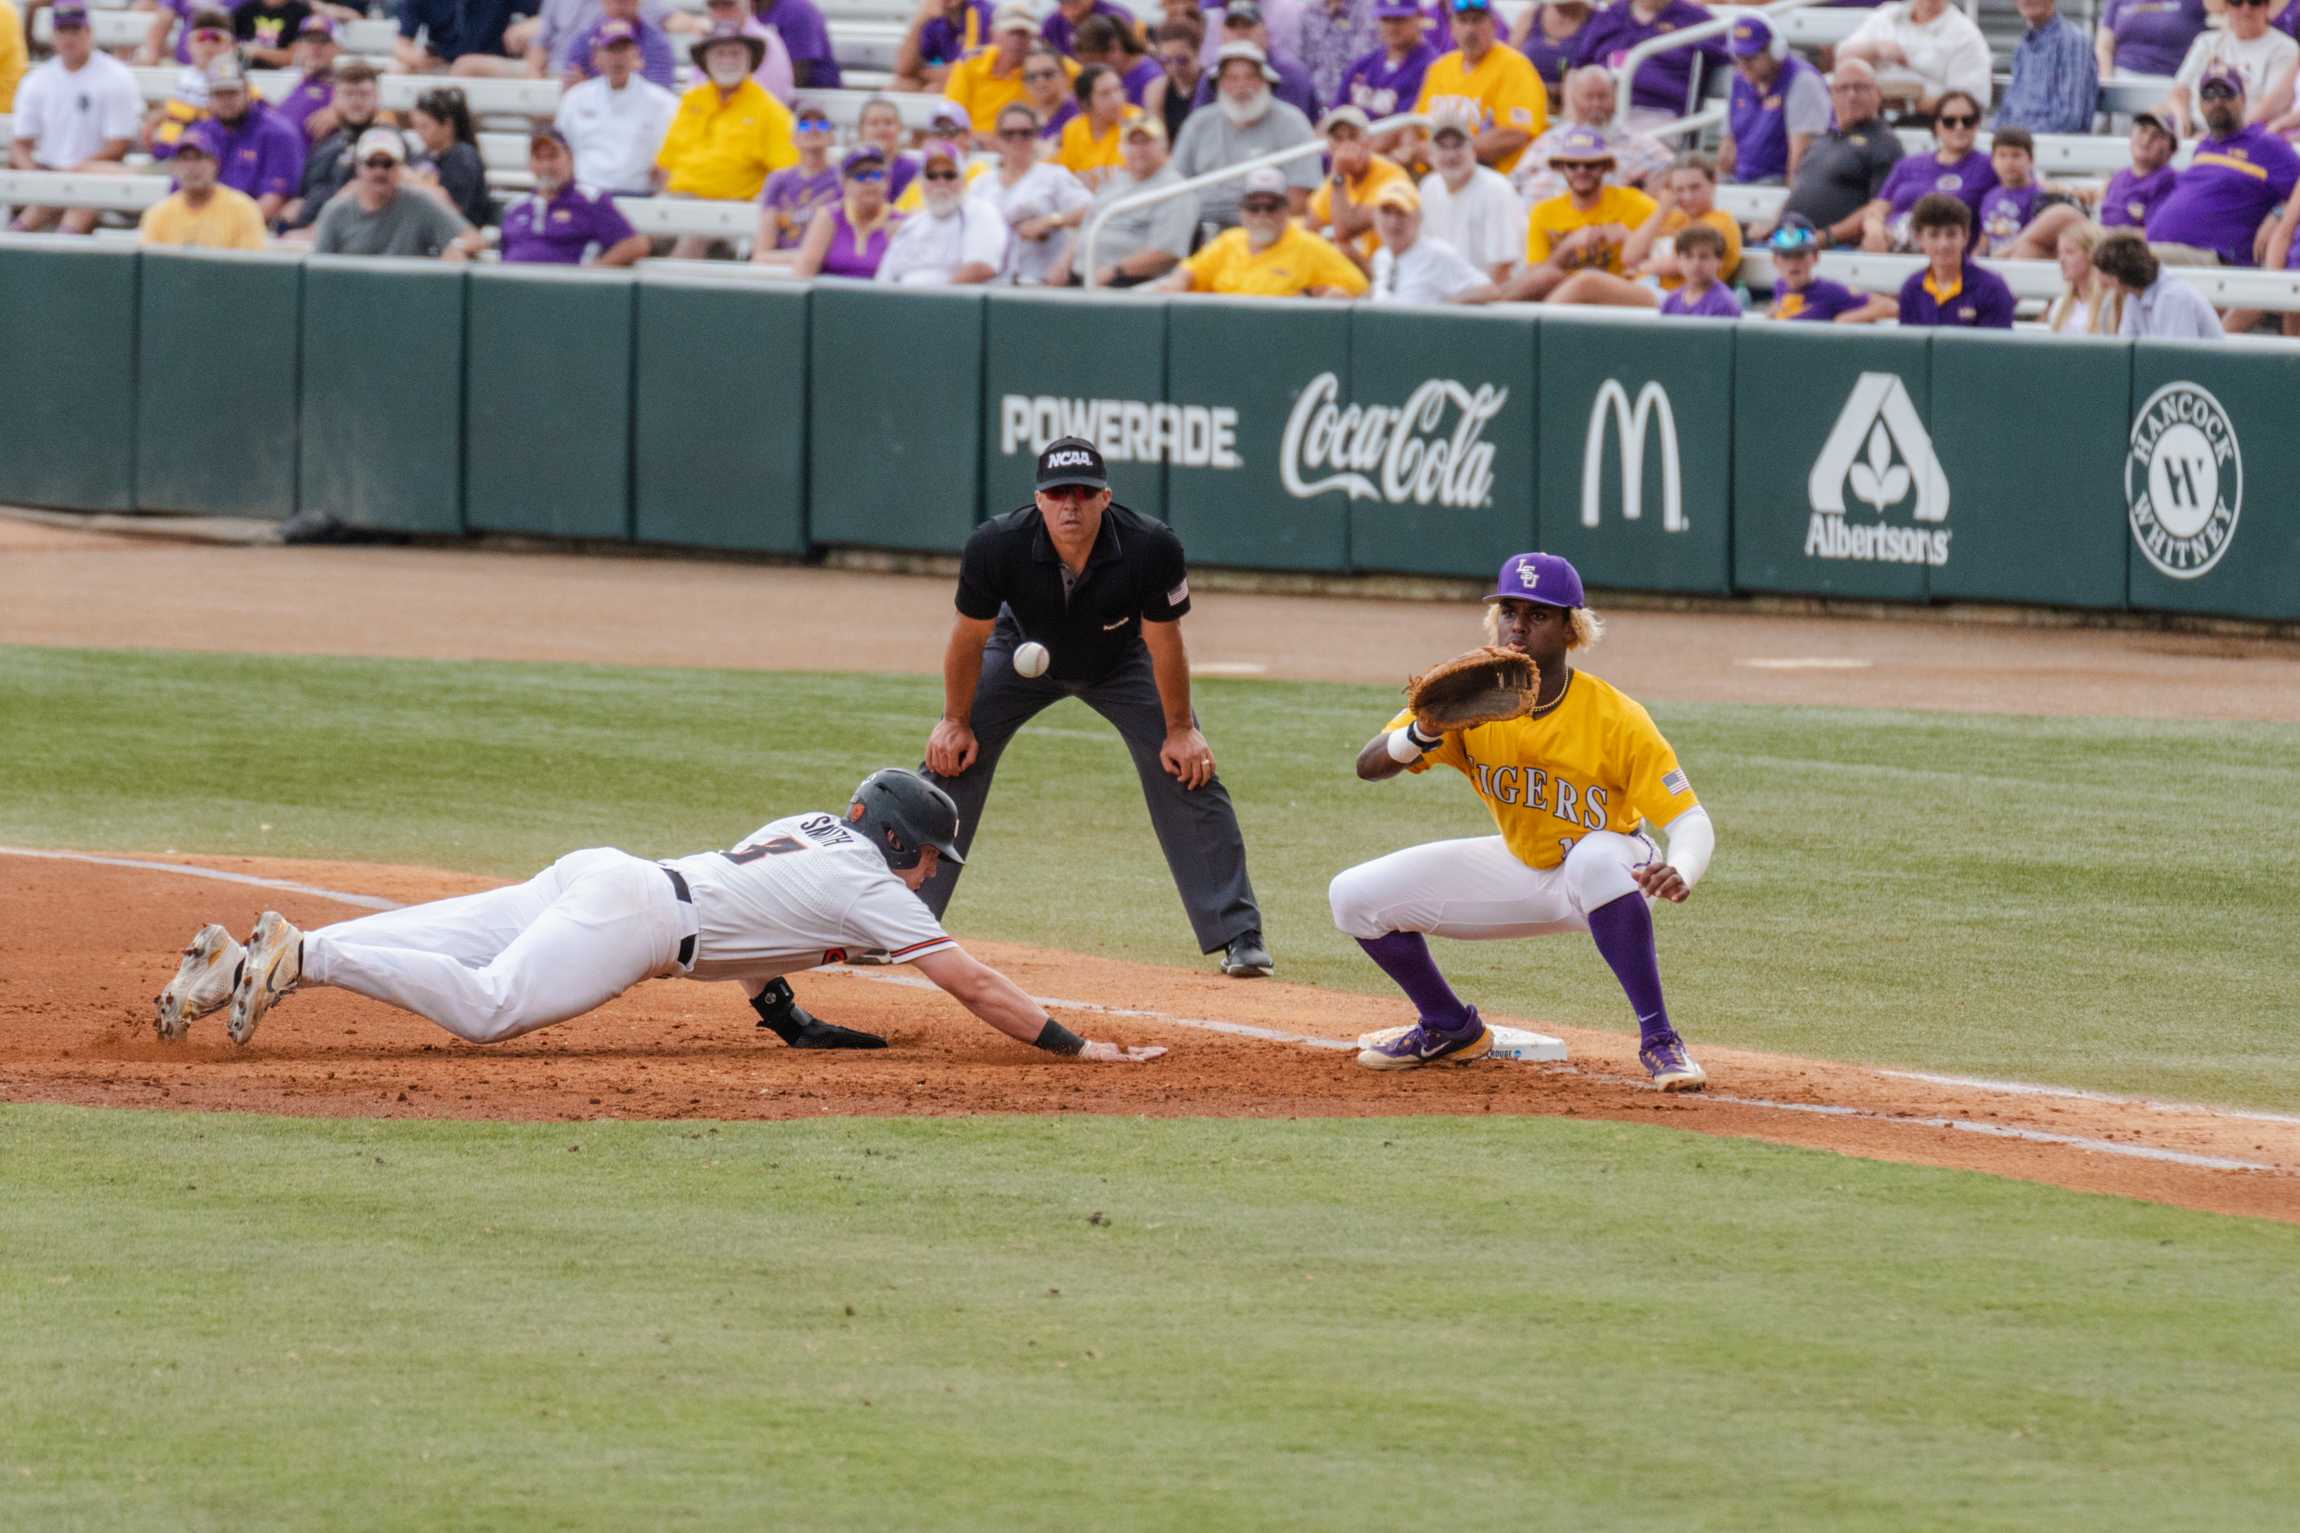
(1403, 454)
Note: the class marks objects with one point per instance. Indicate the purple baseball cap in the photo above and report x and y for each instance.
(862, 159)
(68, 13)
(317, 26)
(1750, 37)
(2226, 77)
(1545, 578)
(613, 31)
(1583, 146)
(1396, 10)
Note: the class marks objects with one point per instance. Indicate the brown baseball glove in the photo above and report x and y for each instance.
(1482, 687)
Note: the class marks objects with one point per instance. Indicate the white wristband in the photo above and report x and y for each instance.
(1402, 746)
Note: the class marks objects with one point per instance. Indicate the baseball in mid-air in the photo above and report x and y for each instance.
(1030, 658)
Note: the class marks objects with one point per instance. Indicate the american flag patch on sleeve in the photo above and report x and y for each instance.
(1675, 782)
(1179, 594)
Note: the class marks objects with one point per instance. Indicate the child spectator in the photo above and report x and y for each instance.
(1700, 251)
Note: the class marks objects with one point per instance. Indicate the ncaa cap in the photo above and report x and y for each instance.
(1071, 460)
(1543, 578)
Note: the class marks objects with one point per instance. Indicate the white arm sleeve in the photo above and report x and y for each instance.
(1692, 840)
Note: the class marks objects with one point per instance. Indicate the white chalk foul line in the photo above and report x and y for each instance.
(2026, 1089)
(1304, 1040)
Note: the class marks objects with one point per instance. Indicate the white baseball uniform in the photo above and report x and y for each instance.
(795, 894)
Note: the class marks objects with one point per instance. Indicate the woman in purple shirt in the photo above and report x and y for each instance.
(792, 196)
(1550, 35)
(2147, 37)
(848, 239)
(1663, 89)
(1954, 167)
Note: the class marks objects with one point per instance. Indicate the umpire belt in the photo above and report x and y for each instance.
(686, 897)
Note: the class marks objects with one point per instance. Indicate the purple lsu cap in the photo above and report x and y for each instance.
(1544, 578)
(614, 30)
(2229, 79)
(865, 158)
(1396, 10)
(1580, 146)
(317, 26)
(1750, 37)
(68, 13)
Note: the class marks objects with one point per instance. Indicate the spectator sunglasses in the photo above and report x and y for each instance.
(1958, 119)
(940, 175)
(1263, 204)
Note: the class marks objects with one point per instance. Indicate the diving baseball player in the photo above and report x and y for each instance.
(797, 893)
(1576, 789)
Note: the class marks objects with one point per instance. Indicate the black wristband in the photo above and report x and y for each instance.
(1054, 1038)
(1426, 742)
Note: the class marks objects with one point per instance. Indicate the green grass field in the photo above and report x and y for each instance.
(233, 1321)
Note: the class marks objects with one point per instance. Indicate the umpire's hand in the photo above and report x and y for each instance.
(950, 750)
(1186, 757)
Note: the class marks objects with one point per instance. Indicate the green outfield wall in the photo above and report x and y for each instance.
(678, 408)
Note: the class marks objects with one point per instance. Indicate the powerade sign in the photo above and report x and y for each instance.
(1428, 450)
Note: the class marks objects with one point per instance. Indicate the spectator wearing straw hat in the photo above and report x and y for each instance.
(729, 133)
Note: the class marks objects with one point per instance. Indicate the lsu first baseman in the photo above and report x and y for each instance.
(1576, 790)
(797, 893)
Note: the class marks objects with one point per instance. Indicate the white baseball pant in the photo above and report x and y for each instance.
(1475, 889)
(493, 966)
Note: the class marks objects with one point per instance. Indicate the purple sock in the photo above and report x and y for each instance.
(1624, 932)
(1405, 958)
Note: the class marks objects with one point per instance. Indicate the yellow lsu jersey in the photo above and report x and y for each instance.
(1594, 762)
(1504, 89)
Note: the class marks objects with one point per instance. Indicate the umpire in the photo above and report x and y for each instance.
(1104, 589)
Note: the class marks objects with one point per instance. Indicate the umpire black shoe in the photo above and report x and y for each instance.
(1246, 957)
(780, 1013)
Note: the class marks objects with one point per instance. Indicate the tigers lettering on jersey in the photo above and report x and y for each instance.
(1593, 762)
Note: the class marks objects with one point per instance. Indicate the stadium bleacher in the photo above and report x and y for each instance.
(867, 33)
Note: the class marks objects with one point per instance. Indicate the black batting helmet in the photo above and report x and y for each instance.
(901, 812)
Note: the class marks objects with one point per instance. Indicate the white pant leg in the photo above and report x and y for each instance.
(1476, 889)
(473, 929)
(613, 923)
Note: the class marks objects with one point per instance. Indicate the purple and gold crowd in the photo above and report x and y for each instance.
(1531, 177)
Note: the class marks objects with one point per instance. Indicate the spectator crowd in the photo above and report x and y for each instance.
(1542, 166)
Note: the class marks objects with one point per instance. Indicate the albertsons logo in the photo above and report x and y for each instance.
(2183, 480)
(1878, 458)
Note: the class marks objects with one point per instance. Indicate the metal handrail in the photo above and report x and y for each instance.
(1699, 32)
(1133, 200)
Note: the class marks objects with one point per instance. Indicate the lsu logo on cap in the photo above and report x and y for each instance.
(1528, 576)
(1072, 458)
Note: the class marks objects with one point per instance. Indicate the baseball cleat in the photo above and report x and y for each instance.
(1671, 1067)
(1246, 957)
(1409, 1048)
(274, 964)
(780, 1013)
(204, 982)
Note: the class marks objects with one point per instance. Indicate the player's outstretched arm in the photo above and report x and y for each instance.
(1393, 750)
(996, 999)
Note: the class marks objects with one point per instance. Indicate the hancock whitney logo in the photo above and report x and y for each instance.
(2183, 480)
(1881, 457)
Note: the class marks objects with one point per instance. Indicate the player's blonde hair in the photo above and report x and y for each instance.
(1584, 623)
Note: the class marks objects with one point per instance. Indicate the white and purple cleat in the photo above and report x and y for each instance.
(1409, 1048)
(1670, 1066)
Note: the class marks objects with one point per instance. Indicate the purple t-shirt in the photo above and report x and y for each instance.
(796, 195)
(941, 41)
(1052, 128)
(1664, 82)
(900, 174)
(1137, 79)
(1061, 34)
(308, 97)
(2004, 213)
(1552, 59)
(558, 232)
(1379, 90)
(1981, 301)
(2230, 185)
(1759, 122)
(807, 40)
(2130, 199)
(259, 155)
(1920, 175)
(658, 64)
(1717, 303)
(2152, 36)
(1819, 299)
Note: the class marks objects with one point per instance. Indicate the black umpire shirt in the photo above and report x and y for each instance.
(1011, 572)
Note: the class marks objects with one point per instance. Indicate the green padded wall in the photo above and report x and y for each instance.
(720, 452)
(218, 342)
(894, 442)
(1057, 367)
(1647, 395)
(1450, 461)
(383, 392)
(547, 401)
(68, 435)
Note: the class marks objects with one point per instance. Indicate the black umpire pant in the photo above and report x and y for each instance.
(1197, 828)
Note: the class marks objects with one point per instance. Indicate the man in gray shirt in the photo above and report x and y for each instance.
(1245, 121)
(1141, 244)
(2156, 306)
(376, 216)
